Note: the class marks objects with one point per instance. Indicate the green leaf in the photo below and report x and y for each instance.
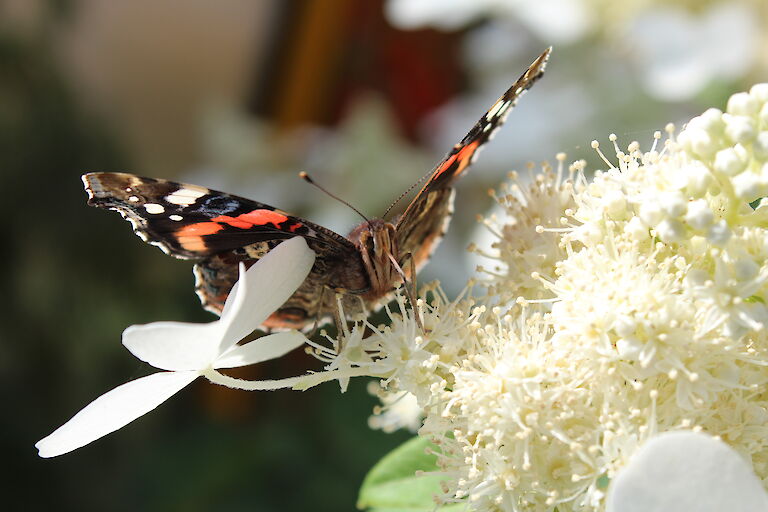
(392, 485)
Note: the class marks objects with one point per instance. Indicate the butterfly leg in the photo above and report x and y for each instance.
(410, 288)
(337, 319)
(318, 313)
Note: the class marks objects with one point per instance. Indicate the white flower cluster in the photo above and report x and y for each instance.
(620, 307)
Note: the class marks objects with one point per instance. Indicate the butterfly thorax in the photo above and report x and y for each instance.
(376, 242)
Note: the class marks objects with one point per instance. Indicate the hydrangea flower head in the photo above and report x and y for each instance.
(617, 308)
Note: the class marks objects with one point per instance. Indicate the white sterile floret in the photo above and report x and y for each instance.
(187, 351)
(686, 471)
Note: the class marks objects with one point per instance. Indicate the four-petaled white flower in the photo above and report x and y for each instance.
(686, 471)
(187, 351)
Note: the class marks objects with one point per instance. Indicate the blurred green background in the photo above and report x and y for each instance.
(240, 95)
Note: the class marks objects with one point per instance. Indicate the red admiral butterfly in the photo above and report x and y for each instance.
(219, 230)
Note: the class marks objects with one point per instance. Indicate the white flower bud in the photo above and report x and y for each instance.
(702, 144)
(684, 141)
(588, 233)
(615, 204)
(625, 326)
(729, 162)
(651, 213)
(760, 92)
(745, 269)
(670, 230)
(763, 115)
(636, 230)
(711, 121)
(748, 186)
(719, 234)
(698, 178)
(739, 128)
(760, 146)
(743, 104)
(673, 204)
(699, 214)
(629, 348)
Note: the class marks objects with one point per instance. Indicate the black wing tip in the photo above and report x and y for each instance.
(531, 75)
(91, 184)
(104, 186)
(536, 69)
(95, 187)
(541, 60)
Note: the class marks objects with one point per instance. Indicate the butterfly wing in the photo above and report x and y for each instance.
(217, 229)
(193, 222)
(421, 227)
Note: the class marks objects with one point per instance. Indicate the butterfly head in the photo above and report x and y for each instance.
(376, 242)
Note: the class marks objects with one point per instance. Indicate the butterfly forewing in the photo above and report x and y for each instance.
(421, 227)
(193, 222)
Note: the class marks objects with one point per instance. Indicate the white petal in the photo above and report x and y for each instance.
(114, 410)
(175, 346)
(261, 349)
(686, 471)
(264, 288)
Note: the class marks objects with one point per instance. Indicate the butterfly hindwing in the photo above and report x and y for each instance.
(421, 226)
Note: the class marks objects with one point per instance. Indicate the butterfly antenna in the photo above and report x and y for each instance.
(421, 180)
(303, 175)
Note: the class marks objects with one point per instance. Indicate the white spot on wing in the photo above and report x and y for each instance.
(185, 196)
(494, 109)
(133, 199)
(176, 217)
(154, 209)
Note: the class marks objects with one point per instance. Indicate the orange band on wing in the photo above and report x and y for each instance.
(462, 157)
(191, 237)
(254, 218)
(200, 229)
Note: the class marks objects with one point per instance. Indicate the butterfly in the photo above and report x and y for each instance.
(220, 230)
